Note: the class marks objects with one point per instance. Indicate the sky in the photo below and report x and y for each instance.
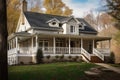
(83, 7)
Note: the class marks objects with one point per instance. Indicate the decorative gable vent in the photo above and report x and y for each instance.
(53, 22)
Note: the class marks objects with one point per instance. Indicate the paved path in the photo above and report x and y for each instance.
(109, 67)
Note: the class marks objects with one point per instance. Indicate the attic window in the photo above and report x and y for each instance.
(80, 26)
(53, 23)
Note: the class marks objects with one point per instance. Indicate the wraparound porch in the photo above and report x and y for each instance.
(52, 44)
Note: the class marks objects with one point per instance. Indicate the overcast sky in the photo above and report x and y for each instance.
(82, 7)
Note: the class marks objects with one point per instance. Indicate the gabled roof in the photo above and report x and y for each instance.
(39, 20)
(87, 28)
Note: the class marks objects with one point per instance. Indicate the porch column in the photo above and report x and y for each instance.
(81, 44)
(101, 45)
(32, 44)
(54, 46)
(16, 43)
(36, 42)
(69, 45)
(93, 45)
(16, 39)
(9, 45)
(109, 44)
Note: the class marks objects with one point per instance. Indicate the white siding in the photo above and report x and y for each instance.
(67, 26)
(23, 27)
(47, 32)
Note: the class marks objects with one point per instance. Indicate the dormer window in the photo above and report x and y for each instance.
(53, 23)
(80, 26)
(72, 29)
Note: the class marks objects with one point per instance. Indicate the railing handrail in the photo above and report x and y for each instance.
(85, 53)
(104, 51)
(97, 53)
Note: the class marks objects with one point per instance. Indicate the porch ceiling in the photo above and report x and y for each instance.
(25, 35)
(92, 37)
(20, 35)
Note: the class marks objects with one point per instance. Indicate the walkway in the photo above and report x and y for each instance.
(109, 67)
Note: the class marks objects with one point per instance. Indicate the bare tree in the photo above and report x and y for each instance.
(3, 41)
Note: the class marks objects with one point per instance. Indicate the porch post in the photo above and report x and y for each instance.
(16, 49)
(69, 45)
(109, 44)
(32, 45)
(16, 44)
(81, 44)
(101, 45)
(54, 46)
(36, 42)
(93, 45)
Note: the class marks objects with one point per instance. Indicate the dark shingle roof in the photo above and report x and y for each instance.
(88, 28)
(40, 20)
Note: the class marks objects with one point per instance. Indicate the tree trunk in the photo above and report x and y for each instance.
(3, 41)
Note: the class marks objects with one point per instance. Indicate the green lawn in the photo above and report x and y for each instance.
(53, 71)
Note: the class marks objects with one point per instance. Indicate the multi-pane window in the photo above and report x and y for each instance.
(72, 29)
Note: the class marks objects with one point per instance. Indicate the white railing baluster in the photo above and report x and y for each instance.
(99, 54)
(105, 51)
(85, 53)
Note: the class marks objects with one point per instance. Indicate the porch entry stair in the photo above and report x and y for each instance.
(96, 57)
(85, 55)
(103, 54)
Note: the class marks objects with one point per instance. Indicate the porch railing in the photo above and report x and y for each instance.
(12, 51)
(99, 54)
(61, 50)
(105, 51)
(25, 50)
(75, 50)
(85, 53)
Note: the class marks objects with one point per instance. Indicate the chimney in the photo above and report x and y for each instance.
(24, 5)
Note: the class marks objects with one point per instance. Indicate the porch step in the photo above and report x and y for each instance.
(96, 59)
(85, 59)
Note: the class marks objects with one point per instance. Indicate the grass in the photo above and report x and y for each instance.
(53, 71)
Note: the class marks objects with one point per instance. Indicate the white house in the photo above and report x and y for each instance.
(55, 35)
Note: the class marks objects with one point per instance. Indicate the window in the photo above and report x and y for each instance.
(53, 23)
(80, 26)
(72, 29)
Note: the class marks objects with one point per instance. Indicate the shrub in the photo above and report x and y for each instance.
(21, 63)
(69, 57)
(30, 62)
(75, 58)
(56, 56)
(62, 56)
(112, 58)
(48, 56)
(39, 56)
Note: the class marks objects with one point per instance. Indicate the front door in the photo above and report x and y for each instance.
(90, 48)
(72, 44)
